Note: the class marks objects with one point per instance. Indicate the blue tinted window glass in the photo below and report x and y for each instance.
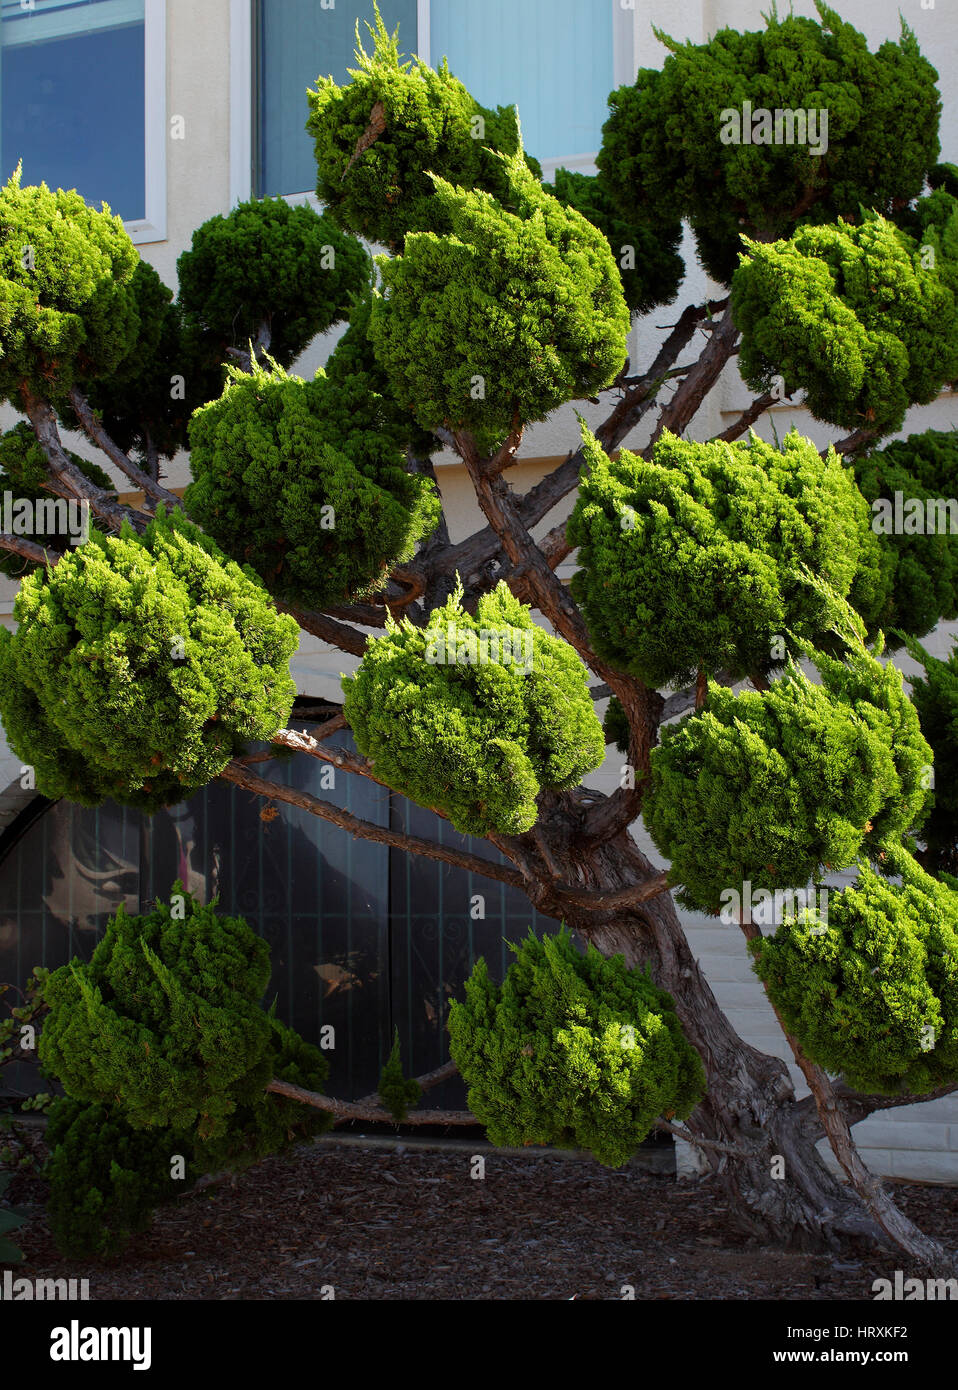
(71, 98)
(298, 41)
(553, 60)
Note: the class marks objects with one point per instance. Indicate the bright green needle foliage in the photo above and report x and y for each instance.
(474, 715)
(165, 1020)
(267, 262)
(397, 1092)
(379, 138)
(105, 1178)
(701, 557)
(858, 316)
(355, 356)
(919, 539)
(646, 253)
(662, 145)
(498, 323)
(572, 1050)
(67, 309)
(875, 995)
(936, 698)
(305, 481)
(774, 787)
(24, 474)
(140, 666)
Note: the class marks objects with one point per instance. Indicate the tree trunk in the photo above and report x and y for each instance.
(750, 1103)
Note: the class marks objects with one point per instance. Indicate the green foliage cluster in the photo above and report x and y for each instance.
(24, 473)
(140, 666)
(268, 262)
(305, 481)
(68, 313)
(11, 1219)
(935, 696)
(701, 557)
(105, 1178)
(513, 312)
(774, 786)
(572, 1050)
(474, 738)
(164, 1049)
(875, 995)
(397, 1092)
(379, 138)
(921, 565)
(646, 253)
(662, 145)
(171, 368)
(857, 315)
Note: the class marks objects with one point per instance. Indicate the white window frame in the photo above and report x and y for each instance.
(151, 226)
(625, 62)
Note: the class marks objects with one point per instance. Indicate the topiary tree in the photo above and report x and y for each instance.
(700, 561)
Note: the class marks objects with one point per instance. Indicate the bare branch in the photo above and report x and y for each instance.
(852, 442)
(371, 1114)
(748, 417)
(347, 639)
(19, 545)
(95, 432)
(699, 381)
(237, 774)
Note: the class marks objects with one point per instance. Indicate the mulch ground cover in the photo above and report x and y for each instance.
(409, 1224)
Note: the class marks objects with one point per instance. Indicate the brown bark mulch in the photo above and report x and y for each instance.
(415, 1225)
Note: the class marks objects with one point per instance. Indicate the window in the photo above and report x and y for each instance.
(553, 60)
(82, 102)
(557, 60)
(295, 42)
(362, 936)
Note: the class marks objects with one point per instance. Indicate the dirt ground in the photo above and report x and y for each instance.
(374, 1223)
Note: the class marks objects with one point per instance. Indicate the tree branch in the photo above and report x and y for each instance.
(240, 776)
(18, 545)
(95, 432)
(371, 1114)
(699, 381)
(748, 417)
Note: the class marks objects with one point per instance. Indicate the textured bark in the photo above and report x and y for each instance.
(750, 1105)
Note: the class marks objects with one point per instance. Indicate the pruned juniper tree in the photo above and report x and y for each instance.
(740, 588)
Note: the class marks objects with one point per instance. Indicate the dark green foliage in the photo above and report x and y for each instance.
(10, 1220)
(702, 556)
(163, 1048)
(105, 1178)
(572, 1050)
(645, 253)
(305, 481)
(428, 124)
(499, 322)
(290, 267)
(773, 787)
(874, 996)
(140, 666)
(72, 317)
(24, 473)
(662, 145)
(858, 316)
(615, 725)
(165, 1020)
(476, 738)
(921, 564)
(935, 696)
(172, 368)
(397, 1092)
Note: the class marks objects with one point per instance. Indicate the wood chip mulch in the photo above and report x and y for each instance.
(409, 1224)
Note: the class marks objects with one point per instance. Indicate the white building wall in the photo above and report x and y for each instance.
(919, 1142)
